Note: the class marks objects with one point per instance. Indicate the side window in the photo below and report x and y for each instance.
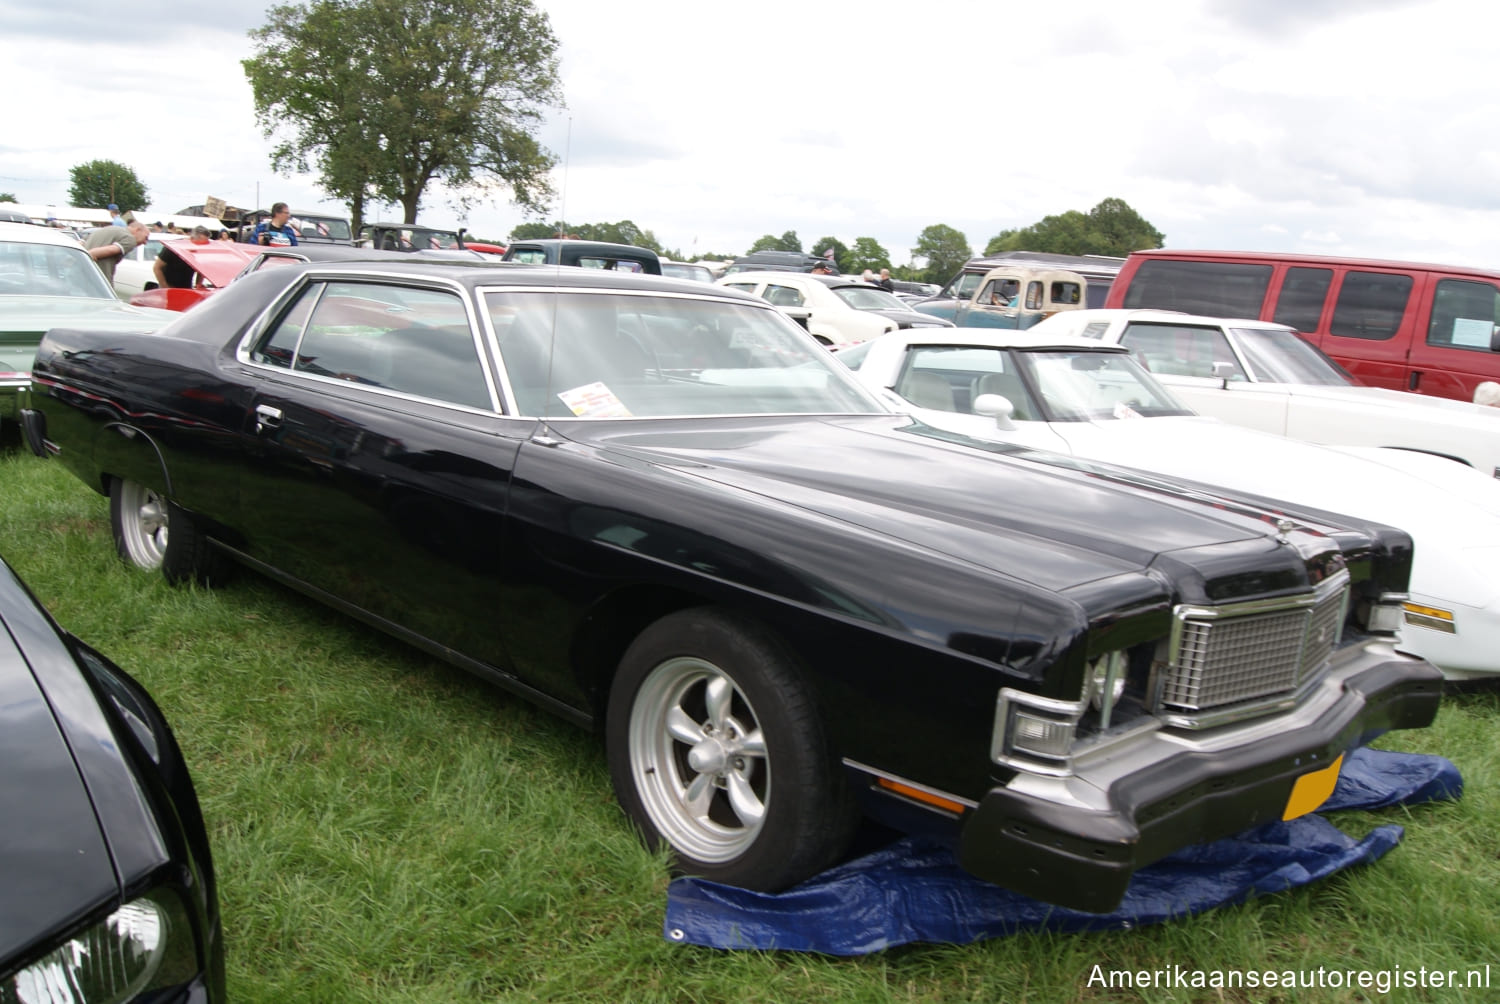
(1181, 350)
(1215, 288)
(407, 339)
(1034, 295)
(1066, 293)
(280, 346)
(784, 296)
(1465, 314)
(999, 293)
(1370, 305)
(1303, 292)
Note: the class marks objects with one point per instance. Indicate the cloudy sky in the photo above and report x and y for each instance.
(1363, 128)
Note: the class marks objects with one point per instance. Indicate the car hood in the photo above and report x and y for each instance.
(28, 314)
(1383, 396)
(56, 865)
(1021, 513)
(1451, 511)
(218, 261)
(913, 318)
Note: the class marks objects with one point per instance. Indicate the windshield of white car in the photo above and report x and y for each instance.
(868, 298)
(619, 355)
(1096, 386)
(1276, 356)
(28, 269)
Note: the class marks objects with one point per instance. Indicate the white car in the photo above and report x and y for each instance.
(838, 310)
(1265, 376)
(133, 273)
(1092, 400)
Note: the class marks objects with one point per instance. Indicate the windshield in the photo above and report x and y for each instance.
(1277, 356)
(28, 269)
(1096, 386)
(679, 270)
(868, 298)
(594, 356)
(326, 228)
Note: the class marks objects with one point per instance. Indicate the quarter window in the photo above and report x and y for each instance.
(1303, 292)
(1370, 305)
(1182, 350)
(1465, 315)
(1216, 288)
(407, 339)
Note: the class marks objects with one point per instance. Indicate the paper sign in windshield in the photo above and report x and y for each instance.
(594, 400)
(1472, 333)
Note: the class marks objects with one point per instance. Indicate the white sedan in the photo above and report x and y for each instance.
(133, 273)
(1092, 400)
(838, 310)
(1263, 375)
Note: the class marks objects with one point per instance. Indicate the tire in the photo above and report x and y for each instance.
(150, 533)
(716, 748)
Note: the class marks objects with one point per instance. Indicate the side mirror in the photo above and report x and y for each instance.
(1223, 371)
(997, 406)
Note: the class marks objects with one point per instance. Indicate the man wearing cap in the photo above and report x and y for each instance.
(115, 219)
(822, 268)
(108, 246)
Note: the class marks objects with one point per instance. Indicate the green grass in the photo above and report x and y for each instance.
(388, 829)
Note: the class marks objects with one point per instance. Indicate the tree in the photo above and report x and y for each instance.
(1110, 228)
(840, 251)
(786, 242)
(867, 254)
(100, 182)
(8, 197)
(945, 249)
(384, 97)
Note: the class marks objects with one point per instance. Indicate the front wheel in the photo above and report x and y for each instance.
(716, 748)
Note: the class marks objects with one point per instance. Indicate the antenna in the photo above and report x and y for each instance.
(562, 209)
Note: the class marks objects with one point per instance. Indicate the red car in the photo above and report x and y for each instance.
(195, 271)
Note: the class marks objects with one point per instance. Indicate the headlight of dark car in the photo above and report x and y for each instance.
(145, 945)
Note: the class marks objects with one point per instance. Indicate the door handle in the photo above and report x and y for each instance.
(1414, 379)
(267, 417)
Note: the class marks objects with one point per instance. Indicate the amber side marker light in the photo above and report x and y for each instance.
(1429, 617)
(917, 794)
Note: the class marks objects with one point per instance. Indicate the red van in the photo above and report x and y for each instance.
(1432, 329)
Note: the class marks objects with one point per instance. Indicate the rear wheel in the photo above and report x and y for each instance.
(151, 532)
(716, 748)
(138, 517)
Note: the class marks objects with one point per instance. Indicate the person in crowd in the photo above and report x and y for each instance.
(884, 282)
(173, 272)
(115, 219)
(275, 232)
(108, 246)
(822, 268)
(1488, 393)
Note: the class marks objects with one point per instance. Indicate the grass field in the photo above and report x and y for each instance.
(388, 829)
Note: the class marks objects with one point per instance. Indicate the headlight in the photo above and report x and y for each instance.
(145, 944)
(1383, 615)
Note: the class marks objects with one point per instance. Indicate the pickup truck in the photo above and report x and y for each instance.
(1011, 296)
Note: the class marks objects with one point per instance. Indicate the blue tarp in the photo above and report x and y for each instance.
(913, 890)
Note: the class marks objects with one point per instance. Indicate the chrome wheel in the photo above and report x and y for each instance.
(698, 759)
(141, 524)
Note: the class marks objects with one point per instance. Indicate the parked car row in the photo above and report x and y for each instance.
(662, 510)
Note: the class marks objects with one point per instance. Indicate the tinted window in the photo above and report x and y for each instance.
(1216, 288)
(1182, 350)
(1303, 291)
(1370, 305)
(1464, 314)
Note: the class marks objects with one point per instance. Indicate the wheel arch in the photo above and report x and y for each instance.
(609, 627)
(130, 453)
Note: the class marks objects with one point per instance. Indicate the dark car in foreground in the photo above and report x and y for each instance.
(661, 509)
(105, 872)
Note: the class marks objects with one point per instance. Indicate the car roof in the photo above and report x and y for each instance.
(1001, 338)
(769, 276)
(574, 244)
(475, 273)
(1078, 318)
(30, 233)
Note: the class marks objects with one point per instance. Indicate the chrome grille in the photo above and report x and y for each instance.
(1254, 651)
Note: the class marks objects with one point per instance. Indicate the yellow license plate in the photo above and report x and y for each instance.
(1312, 790)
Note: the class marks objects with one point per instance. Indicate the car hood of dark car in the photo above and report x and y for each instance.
(913, 318)
(1025, 514)
(55, 865)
